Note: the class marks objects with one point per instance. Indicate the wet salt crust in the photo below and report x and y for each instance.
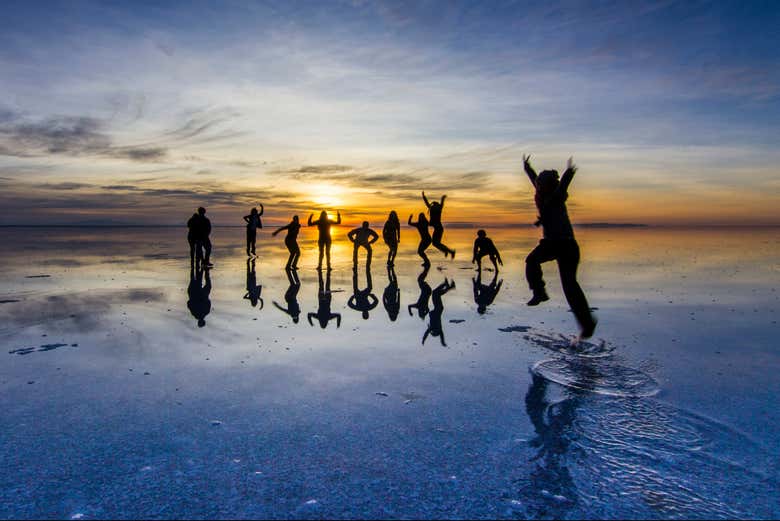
(116, 404)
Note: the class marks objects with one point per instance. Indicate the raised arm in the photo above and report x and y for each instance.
(567, 176)
(425, 199)
(443, 197)
(308, 317)
(338, 318)
(310, 216)
(529, 170)
(410, 221)
(338, 217)
(261, 209)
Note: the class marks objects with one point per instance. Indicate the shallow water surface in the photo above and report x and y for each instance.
(387, 393)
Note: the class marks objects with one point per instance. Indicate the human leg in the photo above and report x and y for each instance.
(568, 261)
(543, 252)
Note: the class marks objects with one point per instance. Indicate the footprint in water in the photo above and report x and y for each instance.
(563, 345)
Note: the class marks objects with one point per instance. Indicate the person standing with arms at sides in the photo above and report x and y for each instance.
(557, 244)
(291, 241)
(391, 233)
(192, 238)
(435, 208)
(324, 242)
(365, 237)
(484, 246)
(425, 237)
(200, 229)
(253, 222)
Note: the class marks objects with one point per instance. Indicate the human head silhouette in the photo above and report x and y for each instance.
(547, 181)
(482, 234)
(422, 217)
(393, 216)
(295, 219)
(201, 322)
(481, 309)
(365, 224)
(254, 211)
(295, 319)
(365, 315)
(323, 214)
(201, 211)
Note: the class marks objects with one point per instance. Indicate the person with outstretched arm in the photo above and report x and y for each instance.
(425, 237)
(324, 242)
(253, 222)
(558, 243)
(435, 208)
(291, 241)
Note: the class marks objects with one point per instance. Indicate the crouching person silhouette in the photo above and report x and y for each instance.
(365, 237)
(557, 244)
(483, 246)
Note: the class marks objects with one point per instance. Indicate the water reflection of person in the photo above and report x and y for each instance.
(550, 491)
(199, 303)
(391, 298)
(484, 295)
(362, 300)
(425, 294)
(434, 317)
(291, 296)
(253, 290)
(324, 315)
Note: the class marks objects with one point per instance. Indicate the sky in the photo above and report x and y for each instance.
(138, 112)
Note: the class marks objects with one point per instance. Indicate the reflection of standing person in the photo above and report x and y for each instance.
(435, 208)
(425, 237)
(291, 241)
(425, 294)
(391, 233)
(324, 241)
(291, 296)
(362, 300)
(199, 303)
(434, 317)
(324, 315)
(365, 237)
(253, 222)
(484, 295)
(557, 244)
(391, 298)
(483, 246)
(252, 289)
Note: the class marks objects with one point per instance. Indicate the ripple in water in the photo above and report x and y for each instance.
(562, 344)
(601, 378)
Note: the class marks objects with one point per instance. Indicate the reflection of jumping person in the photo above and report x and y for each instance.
(435, 208)
(391, 298)
(425, 237)
(484, 295)
(291, 296)
(391, 233)
(199, 303)
(484, 246)
(252, 289)
(323, 225)
(291, 241)
(365, 237)
(253, 222)
(362, 300)
(557, 244)
(434, 317)
(324, 315)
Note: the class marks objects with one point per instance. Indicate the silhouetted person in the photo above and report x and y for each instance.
(253, 222)
(434, 317)
(425, 237)
(192, 238)
(391, 233)
(365, 237)
(425, 294)
(291, 241)
(324, 241)
(200, 229)
(391, 298)
(362, 300)
(557, 244)
(324, 315)
(484, 295)
(553, 423)
(252, 289)
(435, 208)
(291, 296)
(199, 303)
(483, 246)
